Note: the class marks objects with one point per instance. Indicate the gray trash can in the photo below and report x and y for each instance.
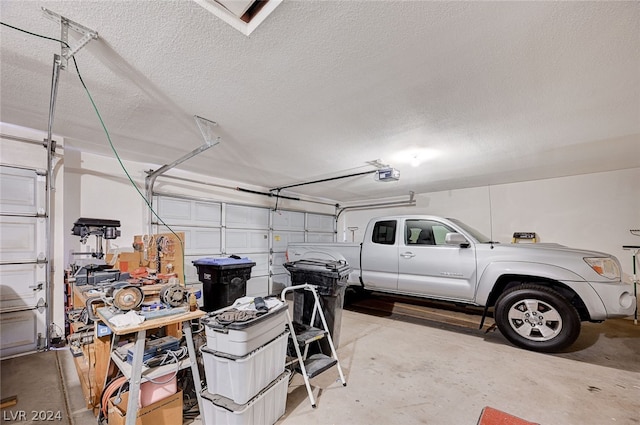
(330, 278)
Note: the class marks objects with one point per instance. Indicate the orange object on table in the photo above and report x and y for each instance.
(139, 272)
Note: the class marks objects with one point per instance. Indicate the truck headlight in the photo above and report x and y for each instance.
(604, 266)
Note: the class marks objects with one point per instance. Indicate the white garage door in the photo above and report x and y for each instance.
(294, 226)
(220, 229)
(23, 260)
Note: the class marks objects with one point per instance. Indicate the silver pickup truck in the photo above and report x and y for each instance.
(540, 292)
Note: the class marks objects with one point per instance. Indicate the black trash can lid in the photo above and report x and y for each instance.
(324, 267)
(223, 261)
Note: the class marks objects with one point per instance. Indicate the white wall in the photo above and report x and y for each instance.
(590, 211)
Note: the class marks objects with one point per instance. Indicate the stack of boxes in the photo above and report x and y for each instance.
(244, 366)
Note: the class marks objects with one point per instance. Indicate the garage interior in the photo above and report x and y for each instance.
(234, 129)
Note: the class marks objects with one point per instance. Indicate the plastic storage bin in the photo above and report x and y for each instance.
(240, 339)
(223, 280)
(242, 378)
(330, 278)
(264, 409)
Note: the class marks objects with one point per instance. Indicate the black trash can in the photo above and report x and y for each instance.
(223, 280)
(330, 278)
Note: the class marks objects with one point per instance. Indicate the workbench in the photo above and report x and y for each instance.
(93, 365)
(135, 372)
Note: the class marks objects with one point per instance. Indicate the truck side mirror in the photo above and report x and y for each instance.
(456, 239)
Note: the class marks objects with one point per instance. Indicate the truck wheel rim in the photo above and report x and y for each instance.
(535, 320)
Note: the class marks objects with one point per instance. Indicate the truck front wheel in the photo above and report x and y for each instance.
(537, 318)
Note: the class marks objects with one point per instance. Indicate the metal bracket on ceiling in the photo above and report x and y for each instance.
(207, 129)
(67, 50)
(411, 202)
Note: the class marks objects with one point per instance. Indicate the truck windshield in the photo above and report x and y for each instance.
(473, 232)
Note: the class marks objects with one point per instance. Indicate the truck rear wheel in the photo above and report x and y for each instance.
(537, 318)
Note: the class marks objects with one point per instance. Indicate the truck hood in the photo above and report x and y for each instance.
(553, 247)
(550, 254)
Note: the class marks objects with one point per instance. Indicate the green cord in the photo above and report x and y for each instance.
(104, 127)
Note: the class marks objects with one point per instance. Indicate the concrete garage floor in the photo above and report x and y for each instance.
(408, 362)
(419, 365)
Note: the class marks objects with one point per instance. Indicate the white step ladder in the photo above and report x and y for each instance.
(304, 334)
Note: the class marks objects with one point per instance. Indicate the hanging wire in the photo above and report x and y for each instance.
(104, 127)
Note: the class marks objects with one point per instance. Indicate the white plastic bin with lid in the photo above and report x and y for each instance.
(241, 338)
(264, 409)
(242, 378)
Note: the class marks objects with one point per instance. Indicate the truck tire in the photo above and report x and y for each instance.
(355, 293)
(537, 318)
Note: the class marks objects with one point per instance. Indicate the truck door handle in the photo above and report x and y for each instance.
(407, 255)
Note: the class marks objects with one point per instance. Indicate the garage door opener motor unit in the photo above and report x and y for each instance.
(387, 175)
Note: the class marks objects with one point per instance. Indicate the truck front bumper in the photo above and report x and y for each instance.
(616, 300)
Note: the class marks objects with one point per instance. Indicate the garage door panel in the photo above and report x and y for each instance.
(174, 210)
(242, 240)
(320, 237)
(208, 214)
(282, 239)
(279, 259)
(243, 217)
(24, 245)
(288, 220)
(320, 222)
(21, 240)
(189, 212)
(205, 240)
(198, 240)
(21, 191)
(258, 286)
(262, 262)
(21, 285)
(249, 231)
(19, 332)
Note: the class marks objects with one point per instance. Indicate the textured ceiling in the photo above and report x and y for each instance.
(481, 92)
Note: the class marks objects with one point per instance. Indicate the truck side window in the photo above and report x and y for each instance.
(425, 232)
(384, 232)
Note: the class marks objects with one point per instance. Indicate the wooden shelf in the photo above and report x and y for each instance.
(86, 376)
(149, 373)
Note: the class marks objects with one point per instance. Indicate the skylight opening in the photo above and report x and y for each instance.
(243, 15)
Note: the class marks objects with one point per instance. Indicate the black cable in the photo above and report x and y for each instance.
(324, 180)
(34, 34)
(95, 108)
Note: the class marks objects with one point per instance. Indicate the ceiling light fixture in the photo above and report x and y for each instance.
(415, 156)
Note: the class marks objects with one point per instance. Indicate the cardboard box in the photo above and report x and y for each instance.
(167, 411)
